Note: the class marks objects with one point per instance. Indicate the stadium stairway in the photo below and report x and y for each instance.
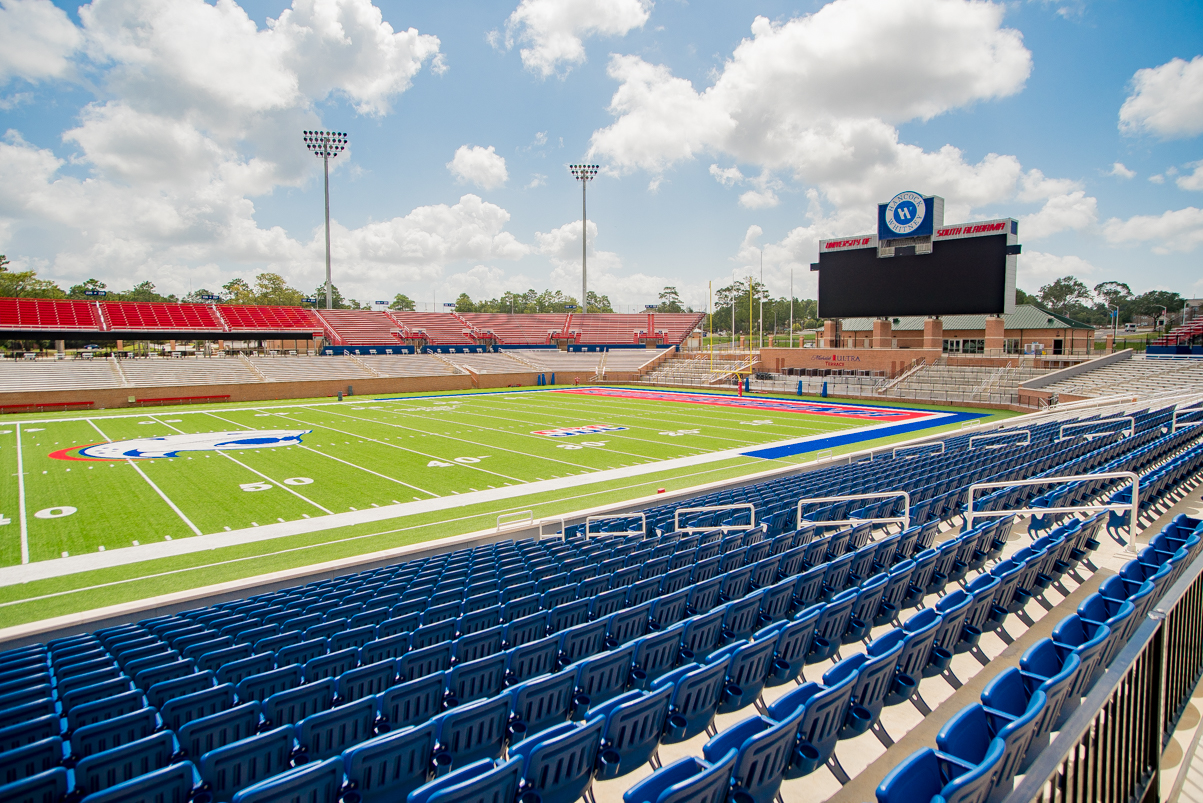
(659, 664)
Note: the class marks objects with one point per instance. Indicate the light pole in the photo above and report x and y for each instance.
(791, 308)
(761, 341)
(326, 145)
(583, 174)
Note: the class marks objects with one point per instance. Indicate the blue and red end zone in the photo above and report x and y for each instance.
(903, 420)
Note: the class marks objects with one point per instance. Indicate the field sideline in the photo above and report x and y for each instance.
(117, 506)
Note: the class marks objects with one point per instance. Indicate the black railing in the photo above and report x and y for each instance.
(1109, 751)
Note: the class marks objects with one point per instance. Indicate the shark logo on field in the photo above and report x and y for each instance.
(585, 429)
(173, 445)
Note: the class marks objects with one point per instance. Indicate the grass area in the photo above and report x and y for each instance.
(354, 455)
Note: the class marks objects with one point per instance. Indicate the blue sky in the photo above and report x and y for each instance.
(160, 139)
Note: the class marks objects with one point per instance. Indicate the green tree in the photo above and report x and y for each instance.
(237, 291)
(403, 303)
(81, 290)
(271, 289)
(145, 291)
(464, 303)
(1021, 297)
(670, 301)
(1065, 296)
(599, 303)
(25, 283)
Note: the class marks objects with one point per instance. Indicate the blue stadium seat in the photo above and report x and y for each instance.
(558, 763)
(199, 736)
(317, 782)
(328, 733)
(471, 732)
(390, 766)
(230, 769)
(172, 784)
(687, 780)
(104, 770)
(765, 749)
(697, 692)
(45, 787)
(480, 781)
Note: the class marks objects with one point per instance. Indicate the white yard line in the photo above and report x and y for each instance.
(118, 557)
(369, 471)
(150, 482)
(275, 483)
(21, 501)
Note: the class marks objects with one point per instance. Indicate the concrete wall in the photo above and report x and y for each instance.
(892, 361)
(105, 398)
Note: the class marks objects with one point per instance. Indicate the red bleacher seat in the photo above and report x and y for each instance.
(138, 316)
(1182, 334)
(516, 330)
(48, 314)
(361, 327)
(248, 318)
(442, 328)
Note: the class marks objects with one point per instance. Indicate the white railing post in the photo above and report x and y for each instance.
(711, 508)
(904, 519)
(1133, 506)
(528, 517)
(997, 435)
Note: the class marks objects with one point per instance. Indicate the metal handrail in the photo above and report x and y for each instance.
(677, 518)
(1136, 686)
(1133, 506)
(1007, 434)
(920, 446)
(528, 519)
(1079, 424)
(1174, 425)
(590, 519)
(904, 519)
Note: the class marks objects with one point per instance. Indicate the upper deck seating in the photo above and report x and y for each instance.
(48, 314)
(138, 316)
(441, 328)
(361, 327)
(250, 318)
(516, 330)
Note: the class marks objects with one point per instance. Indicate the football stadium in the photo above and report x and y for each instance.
(545, 558)
(940, 542)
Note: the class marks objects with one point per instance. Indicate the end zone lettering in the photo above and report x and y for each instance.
(586, 429)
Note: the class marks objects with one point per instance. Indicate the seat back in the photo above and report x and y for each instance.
(236, 766)
(543, 701)
(605, 676)
(478, 679)
(633, 730)
(392, 765)
(471, 732)
(559, 765)
(426, 661)
(413, 702)
(366, 681)
(533, 658)
(320, 780)
(687, 780)
(480, 782)
(290, 707)
(111, 767)
(199, 736)
(697, 691)
(172, 784)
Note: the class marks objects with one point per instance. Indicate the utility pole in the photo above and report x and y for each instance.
(761, 298)
(791, 308)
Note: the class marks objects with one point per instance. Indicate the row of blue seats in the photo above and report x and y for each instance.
(594, 676)
(981, 748)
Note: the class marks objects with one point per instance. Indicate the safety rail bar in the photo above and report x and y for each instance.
(528, 518)
(1133, 506)
(999, 435)
(709, 508)
(904, 519)
(590, 519)
(1174, 425)
(563, 521)
(1111, 747)
(1080, 424)
(897, 449)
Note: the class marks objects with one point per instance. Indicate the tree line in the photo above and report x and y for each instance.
(1072, 298)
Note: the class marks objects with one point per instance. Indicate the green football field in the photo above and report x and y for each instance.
(111, 506)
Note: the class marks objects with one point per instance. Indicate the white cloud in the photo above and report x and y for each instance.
(1069, 9)
(480, 166)
(481, 281)
(1119, 170)
(198, 110)
(552, 32)
(39, 40)
(536, 180)
(1035, 186)
(1074, 210)
(1165, 100)
(820, 95)
(1035, 268)
(1157, 179)
(1194, 181)
(759, 199)
(1176, 230)
(727, 176)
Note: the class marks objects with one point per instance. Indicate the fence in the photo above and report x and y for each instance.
(1110, 749)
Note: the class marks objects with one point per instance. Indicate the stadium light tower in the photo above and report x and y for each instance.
(583, 174)
(326, 145)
